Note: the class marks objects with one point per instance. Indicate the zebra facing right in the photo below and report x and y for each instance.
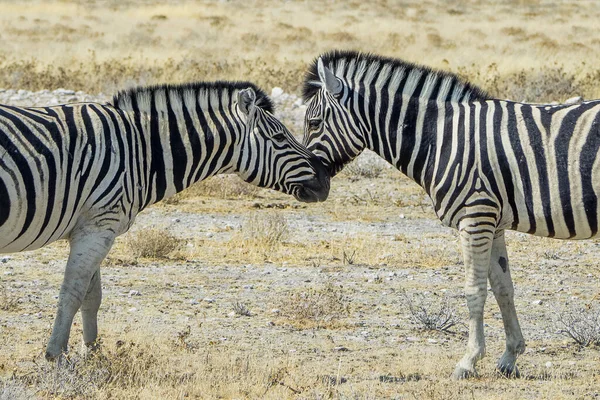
(488, 165)
(82, 172)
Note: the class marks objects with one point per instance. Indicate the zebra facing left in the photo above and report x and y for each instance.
(82, 172)
(487, 165)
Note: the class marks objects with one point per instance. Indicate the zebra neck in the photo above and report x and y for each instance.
(405, 136)
(187, 145)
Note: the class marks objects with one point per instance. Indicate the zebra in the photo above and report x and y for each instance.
(487, 165)
(83, 171)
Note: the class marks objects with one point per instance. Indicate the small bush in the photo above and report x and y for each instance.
(429, 315)
(582, 324)
(316, 306)
(241, 309)
(152, 243)
(7, 300)
(265, 230)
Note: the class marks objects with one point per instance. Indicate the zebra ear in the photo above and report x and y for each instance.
(330, 82)
(246, 100)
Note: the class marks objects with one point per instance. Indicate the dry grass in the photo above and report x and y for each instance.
(108, 47)
(316, 307)
(151, 243)
(263, 232)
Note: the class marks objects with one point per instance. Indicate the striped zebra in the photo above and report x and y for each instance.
(488, 165)
(82, 172)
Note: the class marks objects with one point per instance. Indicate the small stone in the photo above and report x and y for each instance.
(270, 323)
(574, 100)
(210, 234)
(340, 349)
(537, 302)
(275, 311)
(134, 293)
(548, 364)
(433, 341)
(132, 309)
(193, 301)
(276, 92)
(209, 300)
(402, 216)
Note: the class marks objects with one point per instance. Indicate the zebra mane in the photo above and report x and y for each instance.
(353, 66)
(140, 98)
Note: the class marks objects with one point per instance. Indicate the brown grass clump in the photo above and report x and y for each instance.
(7, 300)
(316, 307)
(264, 231)
(151, 243)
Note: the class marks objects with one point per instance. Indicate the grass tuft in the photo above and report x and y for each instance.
(151, 243)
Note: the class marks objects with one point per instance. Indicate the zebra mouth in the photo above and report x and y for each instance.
(315, 189)
(312, 195)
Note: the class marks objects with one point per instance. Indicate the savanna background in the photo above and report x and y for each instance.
(229, 291)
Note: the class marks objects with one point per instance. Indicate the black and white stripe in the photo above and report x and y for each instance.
(83, 171)
(488, 165)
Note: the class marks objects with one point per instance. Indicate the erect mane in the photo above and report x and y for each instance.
(131, 99)
(352, 66)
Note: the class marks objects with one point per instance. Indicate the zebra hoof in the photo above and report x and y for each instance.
(461, 373)
(508, 371)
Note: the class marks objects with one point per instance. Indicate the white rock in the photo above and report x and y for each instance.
(548, 364)
(537, 302)
(64, 92)
(574, 100)
(193, 301)
(209, 300)
(276, 92)
(134, 293)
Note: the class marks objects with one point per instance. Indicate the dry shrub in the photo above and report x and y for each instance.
(265, 231)
(431, 314)
(151, 243)
(7, 300)
(582, 324)
(229, 187)
(316, 307)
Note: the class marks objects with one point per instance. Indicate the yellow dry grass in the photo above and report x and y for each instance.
(535, 51)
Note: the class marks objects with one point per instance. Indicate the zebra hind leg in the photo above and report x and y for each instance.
(89, 311)
(502, 286)
(88, 248)
(476, 246)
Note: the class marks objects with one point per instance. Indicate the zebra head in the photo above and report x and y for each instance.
(271, 157)
(331, 131)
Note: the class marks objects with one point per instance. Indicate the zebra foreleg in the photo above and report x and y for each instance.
(89, 311)
(502, 286)
(476, 247)
(88, 249)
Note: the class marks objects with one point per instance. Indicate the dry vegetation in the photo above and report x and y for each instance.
(245, 293)
(537, 50)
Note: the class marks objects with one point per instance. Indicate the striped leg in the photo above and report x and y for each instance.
(502, 286)
(88, 249)
(476, 247)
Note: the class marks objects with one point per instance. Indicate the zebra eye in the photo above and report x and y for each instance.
(314, 124)
(279, 137)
